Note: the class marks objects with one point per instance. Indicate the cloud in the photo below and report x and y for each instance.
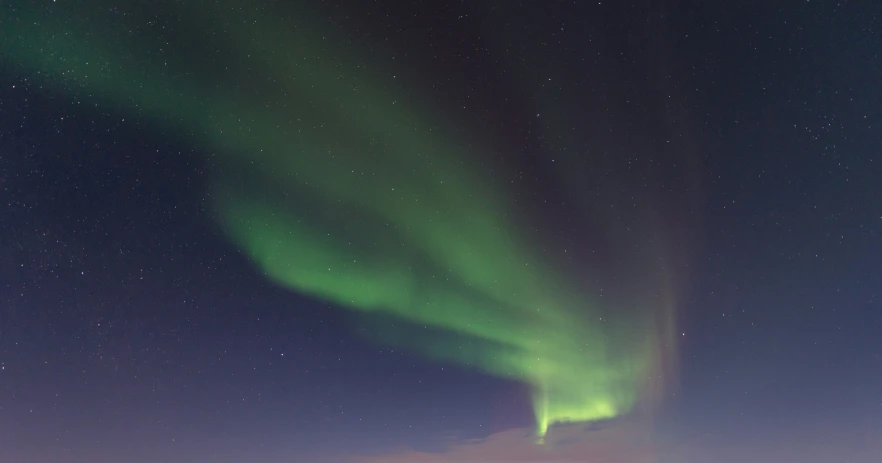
(563, 444)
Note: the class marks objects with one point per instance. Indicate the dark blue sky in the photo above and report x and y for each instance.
(132, 331)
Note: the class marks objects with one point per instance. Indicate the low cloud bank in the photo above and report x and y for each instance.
(569, 444)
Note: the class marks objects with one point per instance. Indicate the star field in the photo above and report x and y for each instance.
(390, 231)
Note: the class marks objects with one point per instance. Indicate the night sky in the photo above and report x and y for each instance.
(422, 231)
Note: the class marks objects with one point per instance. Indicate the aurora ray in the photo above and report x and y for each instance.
(340, 186)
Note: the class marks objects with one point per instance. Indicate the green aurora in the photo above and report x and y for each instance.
(344, 187)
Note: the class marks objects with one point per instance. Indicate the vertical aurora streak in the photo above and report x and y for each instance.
(341, 186)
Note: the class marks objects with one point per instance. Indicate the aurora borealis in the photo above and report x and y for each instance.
(422, 231)
(347, 186)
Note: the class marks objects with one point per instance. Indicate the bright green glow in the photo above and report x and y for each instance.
(337, 186)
